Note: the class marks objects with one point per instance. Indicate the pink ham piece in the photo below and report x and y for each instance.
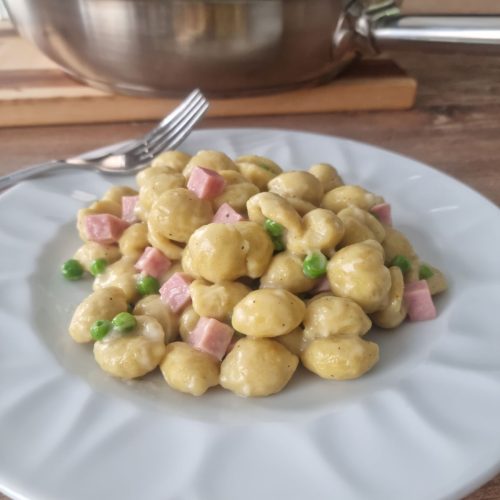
(153, 263)
(175, 291)
(104, 228)
(418, 298)
(322, 286)
(211, 336)
(205, 183)
(383, 212)
(227, 215)
(128, 208)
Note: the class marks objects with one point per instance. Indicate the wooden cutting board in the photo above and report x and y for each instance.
(34, 91)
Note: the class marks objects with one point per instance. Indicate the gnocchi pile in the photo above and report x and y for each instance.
(232, 272)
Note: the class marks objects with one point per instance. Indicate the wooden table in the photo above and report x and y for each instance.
(455, 126)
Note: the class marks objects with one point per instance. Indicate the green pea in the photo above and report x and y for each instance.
(273, 228)
(314, 265)
(425, 272)
(124, 322)
(402, 262)
(98, 266)
(72, 270)
(100, 329)
(279, 246)
(148, 285)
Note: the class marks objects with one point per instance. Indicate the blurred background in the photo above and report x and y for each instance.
(3, 12)
(466, 6)
(443, 6)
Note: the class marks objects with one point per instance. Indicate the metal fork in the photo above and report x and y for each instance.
(134, 155)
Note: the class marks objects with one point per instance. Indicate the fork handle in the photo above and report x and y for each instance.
(41, 168)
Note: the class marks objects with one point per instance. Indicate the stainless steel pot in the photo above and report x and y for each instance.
(229, 47)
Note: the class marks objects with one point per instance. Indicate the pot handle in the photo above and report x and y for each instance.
(435, 33)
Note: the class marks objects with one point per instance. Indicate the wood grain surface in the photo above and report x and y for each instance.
(455, 127)
(34, 91)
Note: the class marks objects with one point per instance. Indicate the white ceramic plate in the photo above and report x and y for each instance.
(424, 424)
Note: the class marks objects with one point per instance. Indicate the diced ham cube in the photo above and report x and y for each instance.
(211, 336)
(383, 212)
(104, 228)
(175, 291)
(205, 183)
(227, 215)
(152, 262)
(418, 298)
(129, 204)
(322, 286)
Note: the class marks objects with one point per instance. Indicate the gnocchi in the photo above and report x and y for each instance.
(134, 240)
(341, 358)
(177, 213)
(349, 195)
(251, 314)
(327, 175)
(257, 367)
(174, 160)
(235, 285)
(237, 191)
(152, 306)
(121, 274)
(357, 272)
(213, 160)
(217, 300)
(132, 355)
(189, 370)
(91, 251)
(285, 271)
(299, 185)
(330, 316)
(102, 304)
(258, 170)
